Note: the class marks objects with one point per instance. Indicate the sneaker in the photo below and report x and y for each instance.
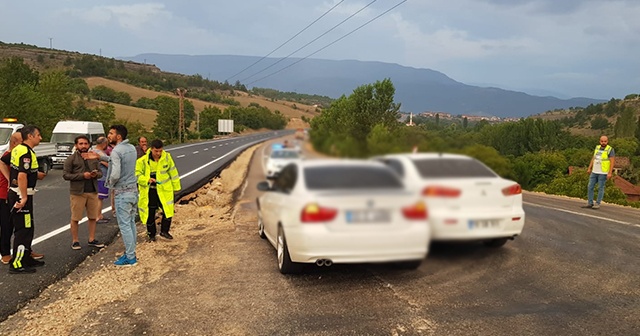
(151, 238)
(96, 243)
(6, 259)
(21, 270)
(33, 263)
(76, 246)
(102, 221)
(166, 235)
(596, 206)
(126, 262)
(37, 256)
(588, 206)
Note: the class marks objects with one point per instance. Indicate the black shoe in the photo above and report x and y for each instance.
(32, 263)
(588, 206)
(166, 235)
(21, 270)
(151, 238)
(96, 243)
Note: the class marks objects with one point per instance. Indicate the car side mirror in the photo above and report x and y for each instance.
(264, 186)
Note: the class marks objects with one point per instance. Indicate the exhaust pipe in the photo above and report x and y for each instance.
(324, 262)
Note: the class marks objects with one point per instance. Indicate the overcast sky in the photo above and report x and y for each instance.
(575, 48)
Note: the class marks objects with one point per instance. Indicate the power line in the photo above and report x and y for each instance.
(328, 45)
(287, 41)
(304, 46)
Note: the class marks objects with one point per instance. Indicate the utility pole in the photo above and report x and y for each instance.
(181, 93)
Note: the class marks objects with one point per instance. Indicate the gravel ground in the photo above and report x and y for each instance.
(169, 284)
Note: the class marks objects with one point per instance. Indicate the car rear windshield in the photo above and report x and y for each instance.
(350, 177)
(452, 168)
(284, 155)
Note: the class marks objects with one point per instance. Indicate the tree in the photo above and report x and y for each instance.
(168, 112)
(599, 123)
(612, 108)
(209, 119)
(465, 122)
(626, 123)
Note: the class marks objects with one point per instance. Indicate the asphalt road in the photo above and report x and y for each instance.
(196, 163)
(573, 271)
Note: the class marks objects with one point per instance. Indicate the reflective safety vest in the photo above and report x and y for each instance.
(167, 183)
(605, 163)
(19, 163)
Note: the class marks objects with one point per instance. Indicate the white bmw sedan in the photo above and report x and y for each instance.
(331, 211)
(466, 199)
(278, 159)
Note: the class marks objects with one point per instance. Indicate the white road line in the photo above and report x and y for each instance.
(206, 149)
(213, 146)
(180, 156)
(582, 214)
(196, 152)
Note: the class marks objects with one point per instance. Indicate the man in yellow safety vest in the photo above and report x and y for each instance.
(600, 170)
(158, 180)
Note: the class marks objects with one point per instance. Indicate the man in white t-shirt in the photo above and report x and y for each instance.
(600, 170)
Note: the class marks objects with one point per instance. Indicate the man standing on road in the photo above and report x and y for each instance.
(6, 226)
(103, 191)
(121, 179)
(141, 148)
(22, 182)
(158, 180)
(600, 170)
(83, 189)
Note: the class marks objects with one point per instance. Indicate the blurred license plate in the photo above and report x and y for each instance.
(484, 224)
(368, 216)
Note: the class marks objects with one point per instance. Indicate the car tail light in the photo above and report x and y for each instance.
(436, 191)
(512, 190)
(417, 211)
(313, 213)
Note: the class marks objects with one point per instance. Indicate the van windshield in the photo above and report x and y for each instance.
(64, 137)
(5, 135)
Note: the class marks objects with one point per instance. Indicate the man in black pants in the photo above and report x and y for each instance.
(22, 182)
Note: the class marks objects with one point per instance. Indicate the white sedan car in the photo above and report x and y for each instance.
(466, 199)
(278, 159)
(330, 211)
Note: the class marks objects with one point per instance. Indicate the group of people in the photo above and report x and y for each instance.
(140, 180)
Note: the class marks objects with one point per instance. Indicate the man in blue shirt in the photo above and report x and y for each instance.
(121, 178)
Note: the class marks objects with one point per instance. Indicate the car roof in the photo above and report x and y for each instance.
(339, 163)
(427, 156)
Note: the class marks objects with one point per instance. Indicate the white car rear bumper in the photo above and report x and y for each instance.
(446, 226)
(310, 242)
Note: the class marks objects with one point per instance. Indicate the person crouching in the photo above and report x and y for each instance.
(158, 181)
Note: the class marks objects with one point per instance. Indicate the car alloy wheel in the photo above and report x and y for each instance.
(280, 248)
(261, 226)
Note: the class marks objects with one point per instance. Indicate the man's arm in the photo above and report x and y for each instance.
(613, 162)
(115, 168)
(22, 186)
(4, 169)
(590, 165)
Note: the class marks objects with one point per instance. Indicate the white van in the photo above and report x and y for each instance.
(65, 133)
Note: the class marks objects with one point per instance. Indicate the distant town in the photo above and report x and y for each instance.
(408, 117)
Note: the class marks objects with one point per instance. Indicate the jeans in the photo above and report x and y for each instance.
(601, 179)
(126, 204)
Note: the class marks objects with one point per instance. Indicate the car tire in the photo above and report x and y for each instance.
(496, 243)
(261, 226)
(46, 166)
(409, 264)
(285, 265)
